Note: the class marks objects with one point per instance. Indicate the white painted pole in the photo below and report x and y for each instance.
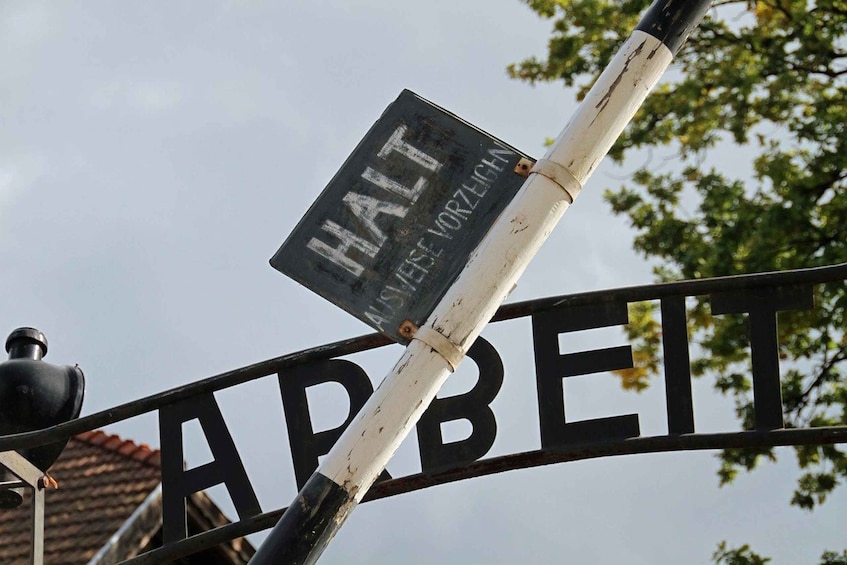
(363, 451)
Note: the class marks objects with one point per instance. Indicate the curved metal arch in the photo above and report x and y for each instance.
(524, 460)
(817, 275)
(637, 445)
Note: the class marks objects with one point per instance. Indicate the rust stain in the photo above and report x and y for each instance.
(523, 167)
(408, 329)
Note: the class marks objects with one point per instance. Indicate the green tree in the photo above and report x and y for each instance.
(737, 556)
(745, 556)
(768, 76)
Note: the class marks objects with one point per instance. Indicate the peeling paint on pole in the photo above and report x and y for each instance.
(354, 463)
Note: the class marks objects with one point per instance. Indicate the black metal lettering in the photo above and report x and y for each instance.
(179, 483)
(677, 366)
(473, 406)
(762, 305)
(306, 444)
(551, 367)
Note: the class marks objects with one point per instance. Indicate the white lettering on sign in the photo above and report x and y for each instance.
(422, 259)
(458, 209)
(396, 143)
(338, 254)
(367, 208)
(382, 181)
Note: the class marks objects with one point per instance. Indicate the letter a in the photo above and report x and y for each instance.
(179, 483)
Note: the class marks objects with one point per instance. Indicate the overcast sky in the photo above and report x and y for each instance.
(154, 155)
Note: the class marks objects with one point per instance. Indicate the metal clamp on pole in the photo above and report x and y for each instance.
(360, 455)
(560, 175)
(451, 352)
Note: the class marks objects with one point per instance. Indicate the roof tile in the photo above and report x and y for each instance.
(99, 478)
(102, 479)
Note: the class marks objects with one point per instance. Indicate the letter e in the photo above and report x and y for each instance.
(551, 367)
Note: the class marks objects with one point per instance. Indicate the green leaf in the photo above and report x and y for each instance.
(767, 79)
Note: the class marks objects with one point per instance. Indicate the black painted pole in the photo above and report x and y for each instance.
(360, 455)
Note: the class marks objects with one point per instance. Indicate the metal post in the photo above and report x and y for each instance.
(31, 476)
(360, 455)
(37, 530)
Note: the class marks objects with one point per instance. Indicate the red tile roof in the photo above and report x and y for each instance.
(102, 480)
(126, 447)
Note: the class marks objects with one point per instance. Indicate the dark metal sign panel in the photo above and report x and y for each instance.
(398, 222)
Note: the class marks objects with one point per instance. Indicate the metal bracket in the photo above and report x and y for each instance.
(407, 329)
(32, 477)
(559, 175)
(524, 166)
(443, 346)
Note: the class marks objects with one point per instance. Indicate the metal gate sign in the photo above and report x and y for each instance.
(398, 222)
(762, 298)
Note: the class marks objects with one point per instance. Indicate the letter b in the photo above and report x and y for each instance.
(473, 406)
(306, 444)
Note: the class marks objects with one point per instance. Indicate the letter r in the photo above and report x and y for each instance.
(306, 444)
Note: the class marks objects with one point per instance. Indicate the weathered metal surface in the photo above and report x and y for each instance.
(235, 377)
(511, 462)
(395, 226)
(179, 483)
(37, 527)
(301, 530)
(363, 450)
(760, 293)
(34, 479)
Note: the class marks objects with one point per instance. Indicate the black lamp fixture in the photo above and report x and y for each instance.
(35, 395)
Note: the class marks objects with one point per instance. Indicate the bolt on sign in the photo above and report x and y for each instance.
(398, 222)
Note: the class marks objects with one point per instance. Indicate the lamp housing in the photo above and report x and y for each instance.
(35, 394)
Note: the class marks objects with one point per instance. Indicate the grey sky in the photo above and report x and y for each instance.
(154, 155)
